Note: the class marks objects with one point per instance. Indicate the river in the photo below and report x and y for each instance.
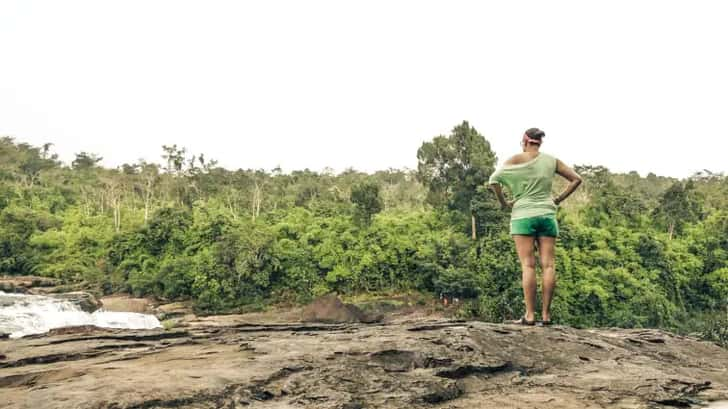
(22, 314)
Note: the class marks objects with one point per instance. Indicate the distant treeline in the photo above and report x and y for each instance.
(633, 252)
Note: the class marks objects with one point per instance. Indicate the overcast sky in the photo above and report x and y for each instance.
(631, 85)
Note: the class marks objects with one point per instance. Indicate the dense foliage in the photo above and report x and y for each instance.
(635, 251)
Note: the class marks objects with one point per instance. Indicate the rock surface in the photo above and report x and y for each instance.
(233, 362)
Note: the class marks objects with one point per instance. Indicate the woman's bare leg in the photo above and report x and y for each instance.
(524, 248)
(548, 268)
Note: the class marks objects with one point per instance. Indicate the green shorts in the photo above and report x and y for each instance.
(545, 226)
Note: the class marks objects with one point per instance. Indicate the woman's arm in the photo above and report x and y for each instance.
(496, 187)
(568, 174)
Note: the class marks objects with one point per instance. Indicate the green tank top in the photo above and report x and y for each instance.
(530, 183)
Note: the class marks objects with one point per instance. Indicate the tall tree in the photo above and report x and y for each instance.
(679, 205)
(149, 173)
(85, 160)
(175, 158)
(453, 167)
(366, 199)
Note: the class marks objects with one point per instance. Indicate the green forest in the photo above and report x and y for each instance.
(633, 252)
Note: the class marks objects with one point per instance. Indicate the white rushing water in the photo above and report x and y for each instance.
(22, 314)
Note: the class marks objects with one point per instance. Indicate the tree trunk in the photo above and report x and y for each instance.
(147, 199)
(117, 217)
(257, 199)
(231, 203)
(115, 203)
(472, 219)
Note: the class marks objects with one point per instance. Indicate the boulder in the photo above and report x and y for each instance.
(83, 300)
(121, 303)
(331, 310)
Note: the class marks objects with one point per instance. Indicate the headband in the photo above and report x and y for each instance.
(528, 139)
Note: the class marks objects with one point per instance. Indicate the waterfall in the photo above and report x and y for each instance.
(22, 314)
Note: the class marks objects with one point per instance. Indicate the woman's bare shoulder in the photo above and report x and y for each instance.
(518, 159)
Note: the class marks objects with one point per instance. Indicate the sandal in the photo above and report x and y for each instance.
(524, 321)
(545, 323)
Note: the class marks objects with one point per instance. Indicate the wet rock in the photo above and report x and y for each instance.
(83, 300)
(330, 309)
(78, 329)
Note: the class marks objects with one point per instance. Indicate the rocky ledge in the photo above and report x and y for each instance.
(404, 363)
(26, 284)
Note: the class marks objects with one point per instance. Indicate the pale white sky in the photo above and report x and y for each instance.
(632, 85)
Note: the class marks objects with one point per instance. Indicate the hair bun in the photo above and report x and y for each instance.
(535, 133)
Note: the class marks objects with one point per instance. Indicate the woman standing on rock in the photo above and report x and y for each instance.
(529, 176)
